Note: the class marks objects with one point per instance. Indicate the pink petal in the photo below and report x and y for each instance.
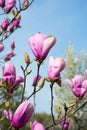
(70, 83)
(77, 80)
(48, 43)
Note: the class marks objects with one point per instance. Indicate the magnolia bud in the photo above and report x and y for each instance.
(59, 110)
(12, 45)
(26, 58)
(41, 83)
(26, 3)
(7, 104)
(1, 47)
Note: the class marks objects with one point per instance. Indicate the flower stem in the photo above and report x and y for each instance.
(51, 87)
(24, 72)
(34, 91)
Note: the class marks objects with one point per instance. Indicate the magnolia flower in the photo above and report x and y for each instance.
(16, 22)
(9, 77)
(9, 73)
(5, 24)
(11, 27)
(18, 80)
(23, 114)
(2, 3)
(8, 114)
(55, 67)
(1, 47)
(9, 55)
(78, 85)
(37, 126)
(41, 45)
(9, 5)
(65, 124)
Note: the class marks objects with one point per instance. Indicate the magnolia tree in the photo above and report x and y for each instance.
(65, 95)
(40, 45)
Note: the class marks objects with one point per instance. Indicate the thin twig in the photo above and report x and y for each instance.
(67, 115)
(33, 93)
(19, 4)
(18, 12)
(78, 108)
(24, 72)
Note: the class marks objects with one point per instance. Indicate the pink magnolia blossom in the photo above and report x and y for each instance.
(9, 5)
(65, 124)
(9, 73)
(18, 80)
(1, 47)
(41, 45)
(23, 114)
(5, 24)
(55, 67)
(11, 27)
(37, 126)
(8, 114)
(2, 3)
(9, 76)
(78, 85)
(9, 55)
(16, 22)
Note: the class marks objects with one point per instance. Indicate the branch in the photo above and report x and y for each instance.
(18, 12)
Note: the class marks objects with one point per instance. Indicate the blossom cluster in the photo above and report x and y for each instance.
(40, 45)
(12, 16)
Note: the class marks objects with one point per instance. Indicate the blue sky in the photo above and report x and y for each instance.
(66, 20)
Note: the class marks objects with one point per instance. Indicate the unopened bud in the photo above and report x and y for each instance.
(26, 3)
(15, 104)
(14, 12)
(41, 83)
(12, 45)
(1, 47)
(26, 58)
(30, 124)
(36, 79)
(59, 110)
(7, 104)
